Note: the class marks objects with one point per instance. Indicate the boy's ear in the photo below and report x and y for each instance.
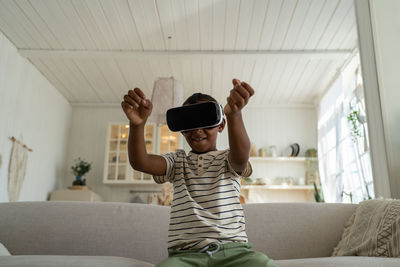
(221, 126)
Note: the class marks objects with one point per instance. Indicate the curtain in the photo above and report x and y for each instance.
(344, 159)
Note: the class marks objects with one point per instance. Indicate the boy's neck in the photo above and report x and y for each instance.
(195, 152)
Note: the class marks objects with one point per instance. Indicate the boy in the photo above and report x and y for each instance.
(207, 226)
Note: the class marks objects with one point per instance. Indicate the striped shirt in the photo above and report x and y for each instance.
(205, 207)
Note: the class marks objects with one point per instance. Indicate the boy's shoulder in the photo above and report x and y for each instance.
(176, 153)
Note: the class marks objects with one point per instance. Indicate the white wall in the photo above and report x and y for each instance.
(32, 108)
(385, 22)
(272, 126)
(88, 140)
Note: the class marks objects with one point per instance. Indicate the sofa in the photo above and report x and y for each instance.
(61, 233)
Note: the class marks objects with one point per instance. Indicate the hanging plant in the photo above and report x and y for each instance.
(354, 119)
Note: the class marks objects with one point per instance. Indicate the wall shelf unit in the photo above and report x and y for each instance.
(282, 159)
(287, 179)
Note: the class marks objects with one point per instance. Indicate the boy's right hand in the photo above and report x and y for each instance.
(136, 107)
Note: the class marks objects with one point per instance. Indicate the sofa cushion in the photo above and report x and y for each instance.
(70, 261)
(4, 251)
(296, 230)
(340, 262)
(136, 231)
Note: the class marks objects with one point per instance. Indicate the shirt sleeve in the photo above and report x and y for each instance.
(245, 173)
(170, 171)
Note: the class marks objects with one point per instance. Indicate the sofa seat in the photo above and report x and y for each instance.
(107, 261)
(69, 261)
(340, 262)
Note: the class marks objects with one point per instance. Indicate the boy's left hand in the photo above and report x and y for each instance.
(238, 98)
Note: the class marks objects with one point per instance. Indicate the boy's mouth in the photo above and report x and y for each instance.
(198, 139)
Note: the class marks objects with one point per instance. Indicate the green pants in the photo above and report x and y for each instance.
(231, 254)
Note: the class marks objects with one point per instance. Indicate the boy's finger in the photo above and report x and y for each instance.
(126, 106)
(140, 93)
(235, 82)
(147, 103)
(135, 96)
(232, 104)
(243, 92)
(248, 88)
(238, 99)
(131, 100)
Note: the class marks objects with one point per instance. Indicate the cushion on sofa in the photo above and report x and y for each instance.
(4, 251)
(373, 230)
(70, 261)
(340, 262)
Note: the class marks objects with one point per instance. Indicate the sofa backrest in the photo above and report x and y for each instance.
(280, 230)
(85, 228)
(296, 230)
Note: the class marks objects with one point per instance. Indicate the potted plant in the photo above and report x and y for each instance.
(80, 168)
(318, 194)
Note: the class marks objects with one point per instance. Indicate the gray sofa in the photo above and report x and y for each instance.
(123, 234)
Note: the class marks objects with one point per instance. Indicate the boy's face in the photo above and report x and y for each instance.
(204, 139)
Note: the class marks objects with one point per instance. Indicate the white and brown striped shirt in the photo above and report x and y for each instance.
(206, 207)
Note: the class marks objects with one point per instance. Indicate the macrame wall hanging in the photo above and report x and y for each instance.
(17, 168)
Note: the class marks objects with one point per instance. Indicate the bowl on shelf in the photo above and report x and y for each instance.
(292, 151)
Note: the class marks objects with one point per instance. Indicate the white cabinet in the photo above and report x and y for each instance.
(117, 169)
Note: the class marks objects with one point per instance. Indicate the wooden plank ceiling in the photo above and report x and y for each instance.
(93, 51)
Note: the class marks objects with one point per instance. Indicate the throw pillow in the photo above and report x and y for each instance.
(373, 230)
(4, 251)
(345, 235)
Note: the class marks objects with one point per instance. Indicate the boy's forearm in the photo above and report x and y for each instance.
(136, 145)
(139, 158)
(239, 142)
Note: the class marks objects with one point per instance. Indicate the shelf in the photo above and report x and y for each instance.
(282, 159)
(279, 187)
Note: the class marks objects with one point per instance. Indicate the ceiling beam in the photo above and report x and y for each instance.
(104, 54)
(252, 106)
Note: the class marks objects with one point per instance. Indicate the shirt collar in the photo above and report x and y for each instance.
(211, 153)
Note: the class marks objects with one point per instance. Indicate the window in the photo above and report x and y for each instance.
(343, 146)
(117, 169)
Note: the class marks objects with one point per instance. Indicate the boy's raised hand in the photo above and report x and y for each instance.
(136, 107)
(238, 98)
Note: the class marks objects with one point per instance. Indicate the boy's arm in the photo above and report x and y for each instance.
(239, 142)
(137, 109)
(139, 158)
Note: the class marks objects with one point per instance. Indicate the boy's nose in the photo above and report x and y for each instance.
(199, 130)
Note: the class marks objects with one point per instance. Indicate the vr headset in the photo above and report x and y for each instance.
(195, 116)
